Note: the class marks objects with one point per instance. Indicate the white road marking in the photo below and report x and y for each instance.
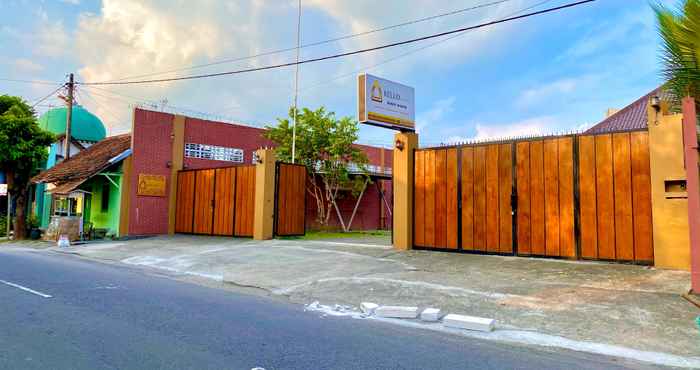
(26, 289)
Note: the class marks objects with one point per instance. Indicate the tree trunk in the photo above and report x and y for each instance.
(21, 214)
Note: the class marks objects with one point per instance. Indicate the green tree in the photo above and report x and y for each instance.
(24, 148)
(679, 29)
(324, 145)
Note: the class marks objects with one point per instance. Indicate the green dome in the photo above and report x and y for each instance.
(84, 126)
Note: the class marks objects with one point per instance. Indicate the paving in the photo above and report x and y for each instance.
(592, 304)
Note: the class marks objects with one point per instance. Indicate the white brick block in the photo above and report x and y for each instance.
(431, 314)
(398, 312)
(368, 307)
(468, 322)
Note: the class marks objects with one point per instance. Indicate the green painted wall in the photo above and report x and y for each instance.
(109, 218)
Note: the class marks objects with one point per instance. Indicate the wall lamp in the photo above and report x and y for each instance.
(656, 103)
(399, 145)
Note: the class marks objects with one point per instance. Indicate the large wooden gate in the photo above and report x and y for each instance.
(290, 202)
(216, 201)
(574, 196)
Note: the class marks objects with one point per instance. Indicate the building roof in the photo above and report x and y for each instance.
(630, 118)
(69, 174)
(84, 125)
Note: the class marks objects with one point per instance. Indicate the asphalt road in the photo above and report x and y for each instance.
(112, 317)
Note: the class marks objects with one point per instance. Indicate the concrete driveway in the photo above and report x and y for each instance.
(589, 306)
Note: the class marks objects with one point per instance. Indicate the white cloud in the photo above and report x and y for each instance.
(28, 66)
(51, 39)
(71, 2)
(546, 91)
(490, 131)
(435, 114)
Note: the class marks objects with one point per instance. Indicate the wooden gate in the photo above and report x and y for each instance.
(574, 196)
(216, 201)
(476, 180)
(290, 202)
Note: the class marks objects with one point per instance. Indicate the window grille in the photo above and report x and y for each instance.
(212, 152)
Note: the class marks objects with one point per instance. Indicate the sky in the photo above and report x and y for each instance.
(545, 74)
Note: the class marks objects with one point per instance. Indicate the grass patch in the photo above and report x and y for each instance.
(320, 235)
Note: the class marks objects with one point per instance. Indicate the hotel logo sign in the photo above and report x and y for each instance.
(385, 103)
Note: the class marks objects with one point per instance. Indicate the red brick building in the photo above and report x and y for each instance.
(209, 144)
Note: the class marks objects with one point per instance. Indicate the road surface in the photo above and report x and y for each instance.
(111, 317)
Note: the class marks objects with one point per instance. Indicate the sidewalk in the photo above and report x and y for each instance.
(551, 302)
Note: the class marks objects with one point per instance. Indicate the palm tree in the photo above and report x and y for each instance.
(680, 33)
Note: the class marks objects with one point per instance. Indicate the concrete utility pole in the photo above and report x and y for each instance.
(296, 88)
(69, 117)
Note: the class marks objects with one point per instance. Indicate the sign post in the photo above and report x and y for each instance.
(385, 103)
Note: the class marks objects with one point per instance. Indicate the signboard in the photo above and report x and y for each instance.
(151, 185)
(3, 190)
(385, 103)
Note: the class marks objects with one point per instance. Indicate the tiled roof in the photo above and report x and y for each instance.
(631, 117)
(77, 169)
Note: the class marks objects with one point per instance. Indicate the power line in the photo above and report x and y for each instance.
(39, 82)
(48, 96)
(317, 43)
(340, 55)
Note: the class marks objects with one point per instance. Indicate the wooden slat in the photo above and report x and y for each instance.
(492, 209)
(505, 187)
(605, 197)
(282, 200)
(204, 195)
(291, 188)
(537, 218)
(468, 198)
(551, 201)
(300, 210)
(223, 209)
(641, 191)
(622, 169)
(441, 198)
(452, 205)
(480, 198)
(245, 196)
(587, 197)
(567, 243)
(184, 203)
(419, 201)
(429, 198)
(522, 173)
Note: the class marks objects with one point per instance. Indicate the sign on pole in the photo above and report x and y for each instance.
(385, 103)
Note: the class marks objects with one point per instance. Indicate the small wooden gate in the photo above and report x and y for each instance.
(290, 202)
(216, 201)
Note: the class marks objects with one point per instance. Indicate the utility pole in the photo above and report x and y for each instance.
(296, 87)
(69, 117)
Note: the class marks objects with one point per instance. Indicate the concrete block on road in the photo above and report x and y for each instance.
(469, 322)
(368, 307)
(431, 314)
(397, 312)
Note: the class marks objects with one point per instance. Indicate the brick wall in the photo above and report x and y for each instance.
(152, 151)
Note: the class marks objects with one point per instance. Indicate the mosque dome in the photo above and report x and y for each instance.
(85, 126)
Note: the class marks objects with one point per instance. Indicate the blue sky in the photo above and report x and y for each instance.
(543, 74)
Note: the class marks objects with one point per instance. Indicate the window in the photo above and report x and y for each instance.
(217, 153)
(104, 206)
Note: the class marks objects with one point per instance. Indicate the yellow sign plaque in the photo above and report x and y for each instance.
(151, 185)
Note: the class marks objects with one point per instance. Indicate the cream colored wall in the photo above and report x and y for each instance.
(670, 211)
(264, 218)
(402, 178)
(176, 163)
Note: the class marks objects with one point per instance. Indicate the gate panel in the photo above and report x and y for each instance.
(224, 201)
(452, 201)
(479, 199)
(551, 197)
(184, 211)
(523, 182)
(587, 196)
(440, 198)
(505, 188)
(291, 193)
(641, 192)
(622, 167)
(537, 215)
(429, 219)
(468, 198)
(567, 241)
(419, 199)
(605, 197)
(245, 199)
(203, 202)
(492, 211)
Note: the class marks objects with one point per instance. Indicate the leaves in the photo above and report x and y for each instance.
(325, 145)
(680, 34)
